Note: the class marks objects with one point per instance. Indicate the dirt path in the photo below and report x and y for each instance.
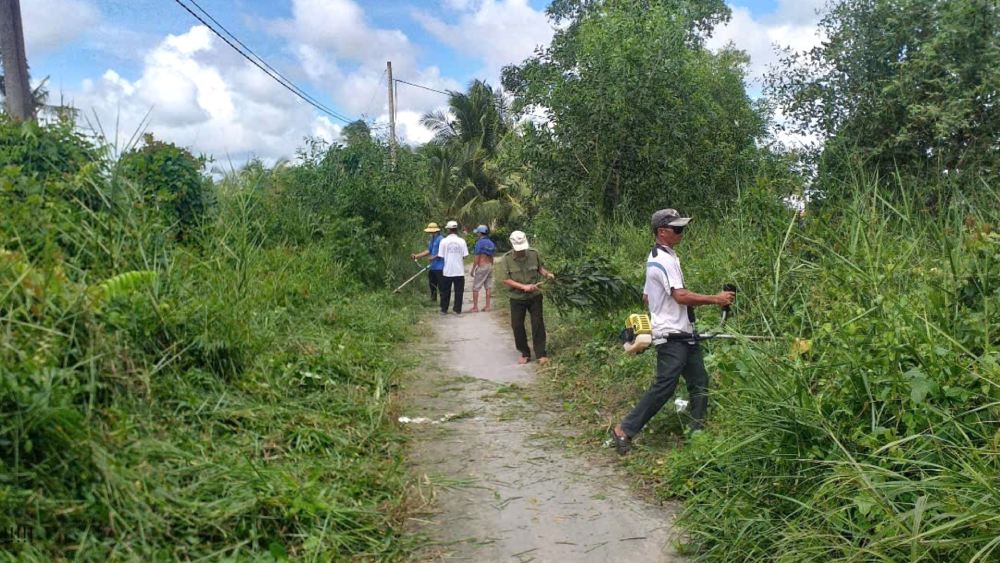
(505, 487)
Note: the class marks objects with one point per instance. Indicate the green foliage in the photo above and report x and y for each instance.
(223, 398)
(43, 152)
(357, 133)
(906, 85)
(478, 116)
(475, 177)
(60, 208)
(592, 286)
(386, 199)
(873, 438)
(171, 178)
(348, 199)
(124, 284)
(640, 114)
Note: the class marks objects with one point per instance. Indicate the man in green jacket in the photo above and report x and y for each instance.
(521, 271)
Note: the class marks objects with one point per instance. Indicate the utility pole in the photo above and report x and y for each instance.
(20, 106)
(392, 114)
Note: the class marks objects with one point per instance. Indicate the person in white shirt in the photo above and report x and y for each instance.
(670, 315)
(454, 250)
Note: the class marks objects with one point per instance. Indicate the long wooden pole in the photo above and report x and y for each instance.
(19, 104)
(392, 113)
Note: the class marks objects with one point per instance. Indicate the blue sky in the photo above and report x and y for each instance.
(119, 60)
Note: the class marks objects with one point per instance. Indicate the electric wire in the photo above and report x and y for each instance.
(283, 79)
(289, 85)
(424, 87)
(375, 93)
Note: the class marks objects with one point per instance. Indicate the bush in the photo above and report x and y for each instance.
(222, 398)
(170, 178)
(873, 437)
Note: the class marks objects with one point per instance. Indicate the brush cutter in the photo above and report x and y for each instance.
(413, 277)
(638, 333)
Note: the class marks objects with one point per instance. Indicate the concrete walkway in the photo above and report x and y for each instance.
(505, 488)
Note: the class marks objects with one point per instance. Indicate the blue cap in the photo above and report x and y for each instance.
(481, 229)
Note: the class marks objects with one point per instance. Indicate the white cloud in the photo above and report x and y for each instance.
(49, 24)
(341, 28)
(801, 11)
(408, 127)
(343, 52)
(458, 4)
(499, 32)
(201, 95)
(792, 25)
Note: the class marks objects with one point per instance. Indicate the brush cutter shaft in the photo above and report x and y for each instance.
(709, 336)
(422, 270)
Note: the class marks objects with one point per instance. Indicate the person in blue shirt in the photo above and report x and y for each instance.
(437, 263)
(482, 267)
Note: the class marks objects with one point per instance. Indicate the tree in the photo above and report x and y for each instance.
(479, 115)
(637, 112)
(39, 94)
(356, 132)
(469, 182)
(909, 85)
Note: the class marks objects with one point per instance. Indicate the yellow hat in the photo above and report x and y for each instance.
(432, 228)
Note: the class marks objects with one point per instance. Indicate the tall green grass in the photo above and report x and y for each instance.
(224, 397)
(880, 441)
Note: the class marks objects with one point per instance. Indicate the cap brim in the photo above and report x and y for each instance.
(522, 246)
(679, 222)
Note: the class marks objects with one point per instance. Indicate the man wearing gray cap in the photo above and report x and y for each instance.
(671, 316)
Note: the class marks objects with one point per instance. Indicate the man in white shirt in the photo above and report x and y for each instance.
(454, 250)
(671, 318)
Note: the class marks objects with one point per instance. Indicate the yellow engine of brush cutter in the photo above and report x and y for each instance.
(638, 334)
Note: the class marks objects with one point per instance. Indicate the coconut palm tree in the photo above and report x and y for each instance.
(480, 115)
(468, 183)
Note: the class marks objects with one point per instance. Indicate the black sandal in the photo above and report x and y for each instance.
(622, 443)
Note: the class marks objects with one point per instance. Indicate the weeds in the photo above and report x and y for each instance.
(879, 440)
(224, 394)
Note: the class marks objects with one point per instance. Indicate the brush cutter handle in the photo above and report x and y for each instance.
(725, 308)
(728, 287)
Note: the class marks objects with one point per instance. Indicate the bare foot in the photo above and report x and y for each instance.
(473, 310)
(523, 360)
(486, 309)
(543, 360)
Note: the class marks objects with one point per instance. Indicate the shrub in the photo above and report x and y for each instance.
(171, 178)
(222, 398)
(873, 439)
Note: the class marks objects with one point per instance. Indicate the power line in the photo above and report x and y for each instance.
(283, 79)
(424, 87)
(288, 84)
(378, 85)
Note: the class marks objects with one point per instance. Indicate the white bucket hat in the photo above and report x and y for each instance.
(519, 241)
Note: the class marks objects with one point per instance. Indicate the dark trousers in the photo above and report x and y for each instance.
(518, 309)
(434, 281)
(447, 283)
(672, 360)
